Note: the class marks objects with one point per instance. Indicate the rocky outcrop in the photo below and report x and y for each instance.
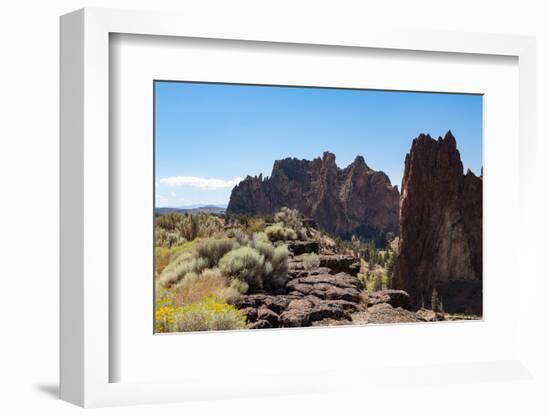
(440, 243)
(325, 295)
(293, 310)
(339, 286)
(310, 296)
(355, 200)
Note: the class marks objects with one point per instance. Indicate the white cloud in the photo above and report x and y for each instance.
(160, 198)
(201, 183)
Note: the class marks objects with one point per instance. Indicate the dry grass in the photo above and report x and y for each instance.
(197, 287)
(162, 258)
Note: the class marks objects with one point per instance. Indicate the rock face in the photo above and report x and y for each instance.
(440, 244)
(354, 200)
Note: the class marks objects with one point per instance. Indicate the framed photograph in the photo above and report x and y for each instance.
(249, 236)
(253, 203)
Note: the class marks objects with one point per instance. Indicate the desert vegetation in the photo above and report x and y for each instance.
(230, 272)
(205, 264)
(204, 261)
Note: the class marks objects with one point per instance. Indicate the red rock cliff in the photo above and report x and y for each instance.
(441, 227)
(354, 200)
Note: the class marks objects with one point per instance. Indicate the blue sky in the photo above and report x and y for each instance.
(209, 136)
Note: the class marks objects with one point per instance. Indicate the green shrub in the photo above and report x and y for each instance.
(174, 228)
(311, 260)
(265, 248)
(290, 218)
(255, 224)
(236, 288)
(247, 264)
(250, 223)
(250, 262)
(238, 285)
(209, 315)
(164, 298)
(278, 231)
(376, 280)
(183, 264)
(206, 315)
(261, 236)
(213, 249)
(165, 238)
(288, 226)
(239, 236)
(279, 261)
(275, 232)
(164, 254)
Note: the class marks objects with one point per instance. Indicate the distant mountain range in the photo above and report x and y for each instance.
(208, 209)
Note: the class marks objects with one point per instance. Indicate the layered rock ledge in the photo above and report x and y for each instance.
(324, 295)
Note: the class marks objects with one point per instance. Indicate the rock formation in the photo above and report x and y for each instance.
(323, 295)
(440, 242)
(354, 200)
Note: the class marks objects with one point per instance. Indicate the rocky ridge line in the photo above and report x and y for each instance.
(356, 200)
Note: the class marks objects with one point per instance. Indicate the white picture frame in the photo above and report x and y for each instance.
(86, 356)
